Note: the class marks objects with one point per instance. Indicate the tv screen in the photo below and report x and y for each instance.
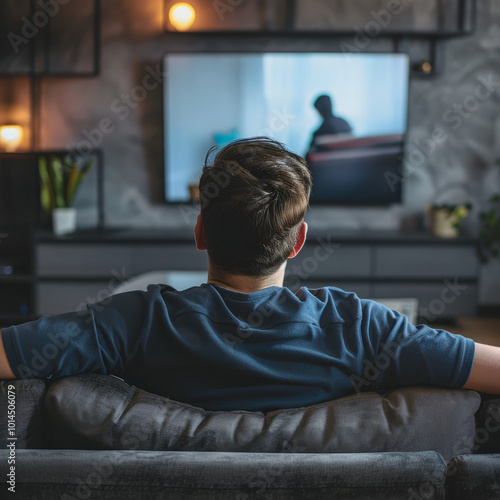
(346, 113)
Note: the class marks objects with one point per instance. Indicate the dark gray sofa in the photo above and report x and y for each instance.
(94, 436)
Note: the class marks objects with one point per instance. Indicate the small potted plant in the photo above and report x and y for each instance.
(60, 179)
(489, 231)
(445, 220)
(489, 234)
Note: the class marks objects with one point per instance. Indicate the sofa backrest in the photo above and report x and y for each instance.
(103, 412)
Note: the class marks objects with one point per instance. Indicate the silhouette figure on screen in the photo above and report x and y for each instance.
(331, 124)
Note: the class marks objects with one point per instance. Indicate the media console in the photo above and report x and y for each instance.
(442, 274)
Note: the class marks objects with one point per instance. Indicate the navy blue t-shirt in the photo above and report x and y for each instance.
(223, 350)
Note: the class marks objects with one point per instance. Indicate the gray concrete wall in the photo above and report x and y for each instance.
(460, 168)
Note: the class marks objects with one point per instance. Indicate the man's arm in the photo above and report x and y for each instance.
(102, 337)
(5, 369)
(485, 372)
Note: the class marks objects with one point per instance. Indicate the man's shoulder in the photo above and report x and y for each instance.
(333, 302)
(325, 292)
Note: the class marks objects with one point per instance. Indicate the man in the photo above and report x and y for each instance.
(242, 340)
(331, 124)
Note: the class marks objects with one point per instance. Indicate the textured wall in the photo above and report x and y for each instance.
(460, 168)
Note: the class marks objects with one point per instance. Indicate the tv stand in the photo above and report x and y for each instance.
(442, 274)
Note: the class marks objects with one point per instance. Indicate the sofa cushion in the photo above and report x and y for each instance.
(21, 407)
(102, 412)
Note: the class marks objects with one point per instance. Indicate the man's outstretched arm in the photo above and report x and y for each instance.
(485, 372)
(5, 369)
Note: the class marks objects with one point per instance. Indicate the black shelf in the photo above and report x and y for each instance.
(321, 35)
(185, 234)
(16, 155)
(17, 278)
(15, 319)
(19, 215)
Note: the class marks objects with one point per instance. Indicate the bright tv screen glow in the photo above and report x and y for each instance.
(212, 98)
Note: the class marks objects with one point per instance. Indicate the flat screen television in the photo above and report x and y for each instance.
(354, 147)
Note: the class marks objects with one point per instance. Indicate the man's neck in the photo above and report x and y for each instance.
(245, 284)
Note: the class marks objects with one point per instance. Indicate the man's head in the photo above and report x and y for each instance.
(324, 105)
(254, 194)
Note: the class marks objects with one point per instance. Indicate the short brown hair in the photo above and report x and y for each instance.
(254, 194)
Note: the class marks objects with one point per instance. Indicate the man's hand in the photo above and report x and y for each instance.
(485, 372)
(5, 369)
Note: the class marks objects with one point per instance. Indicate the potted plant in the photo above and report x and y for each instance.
(445, 220)
(489, 231)
(60, 179)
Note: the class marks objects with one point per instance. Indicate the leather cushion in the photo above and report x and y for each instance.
(24, 400)
(103, 412)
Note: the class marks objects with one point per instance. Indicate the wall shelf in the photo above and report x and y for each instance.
(288, 37)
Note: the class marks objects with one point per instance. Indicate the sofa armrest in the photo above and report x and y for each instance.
(487, 435)
(474, 477)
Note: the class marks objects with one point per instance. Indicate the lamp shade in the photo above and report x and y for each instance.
(10, 137)
(182, 16)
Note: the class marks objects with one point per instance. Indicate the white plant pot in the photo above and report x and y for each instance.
(441, 224)
(64, 220)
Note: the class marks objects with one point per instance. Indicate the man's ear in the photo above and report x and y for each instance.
(199, 234)
(300, 240)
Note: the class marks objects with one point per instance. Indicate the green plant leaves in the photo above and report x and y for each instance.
(489, 234)
(60, 179)
(452, 208)
(76, 177)
(73, 183)
(46, 193)
(57, 175)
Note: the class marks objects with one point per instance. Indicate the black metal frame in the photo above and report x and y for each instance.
(29, 279)
(36, 77)
(97, 50)
(99, 166)
(466, 25)
(31, 71)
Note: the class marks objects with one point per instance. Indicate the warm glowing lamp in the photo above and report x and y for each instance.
(182, 16)
(10, 137)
